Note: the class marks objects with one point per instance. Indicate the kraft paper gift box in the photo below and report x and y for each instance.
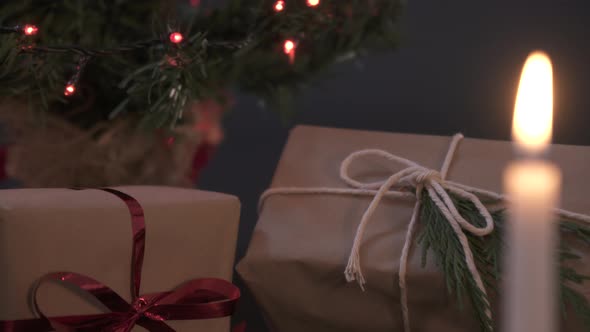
(299, 250)
(189, 234)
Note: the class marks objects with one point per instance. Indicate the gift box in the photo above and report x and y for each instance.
(89, 238)
(302, 242)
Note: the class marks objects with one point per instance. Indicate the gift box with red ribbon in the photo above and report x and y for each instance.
(124, 259)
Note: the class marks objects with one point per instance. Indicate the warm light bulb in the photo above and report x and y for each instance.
(533, 110)
(289, 46)
(30, 30)
(176, 37)
(70, 89)
(279, 6)
(313, 3)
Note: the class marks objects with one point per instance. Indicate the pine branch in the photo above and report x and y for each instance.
(438, 237)
(90, 52)
(570, 297)
(237, 45)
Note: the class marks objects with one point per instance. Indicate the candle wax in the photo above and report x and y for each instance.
(532, 187)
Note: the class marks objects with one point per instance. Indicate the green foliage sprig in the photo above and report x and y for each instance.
(238, 44)
(438, 237)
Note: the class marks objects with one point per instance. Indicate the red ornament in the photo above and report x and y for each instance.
(70, 89)
(313, 3)
(279, 6)
(170, 140)
(176, 37)
(30, 30)
(201, 157)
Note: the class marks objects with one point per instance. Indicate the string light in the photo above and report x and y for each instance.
(69, 90)
(279, 6)
(71, 85)
(289, 49)
(313, 3)
(176, 37)
(289, 46)
(30, 30)
(87, 53)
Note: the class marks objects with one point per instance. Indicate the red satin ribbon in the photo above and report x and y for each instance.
(196, 299)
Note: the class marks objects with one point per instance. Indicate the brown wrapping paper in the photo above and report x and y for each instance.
(301, 244)
(190, 234)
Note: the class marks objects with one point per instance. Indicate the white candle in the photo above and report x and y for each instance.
(532, 186)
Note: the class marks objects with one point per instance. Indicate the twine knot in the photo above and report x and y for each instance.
(438, 189)
(426, 176)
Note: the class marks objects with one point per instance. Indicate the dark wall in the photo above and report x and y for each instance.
(457, 69)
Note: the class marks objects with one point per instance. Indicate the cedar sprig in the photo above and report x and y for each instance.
(569, 277)
(437, 237)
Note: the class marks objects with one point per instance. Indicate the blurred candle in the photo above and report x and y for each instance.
(532, 185)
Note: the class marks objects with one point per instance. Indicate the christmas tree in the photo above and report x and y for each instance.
(149, 59)
(94, 72)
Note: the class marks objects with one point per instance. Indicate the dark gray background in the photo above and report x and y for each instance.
(457, 69)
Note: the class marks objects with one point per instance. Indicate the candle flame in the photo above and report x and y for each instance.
(533, 110)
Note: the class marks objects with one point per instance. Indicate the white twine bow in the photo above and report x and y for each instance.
(437, 188)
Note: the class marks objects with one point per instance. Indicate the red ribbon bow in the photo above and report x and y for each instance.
(196, 299)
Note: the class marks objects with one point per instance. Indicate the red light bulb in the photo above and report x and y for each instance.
(70, 89)
(176, 37)
(313, 3)
(289, 46)
(289, 49)
(279, 6)
(30, 30)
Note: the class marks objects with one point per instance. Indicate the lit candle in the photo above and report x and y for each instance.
(532, 185)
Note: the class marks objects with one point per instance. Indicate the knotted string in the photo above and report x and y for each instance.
(419, 179)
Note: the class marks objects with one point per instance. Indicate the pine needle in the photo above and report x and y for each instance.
(437, 237)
